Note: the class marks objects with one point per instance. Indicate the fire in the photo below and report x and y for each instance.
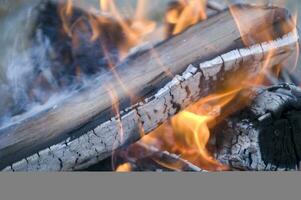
(109, 23)
(196, 131)
(126, 167)
(267, 35)
(115, 108)
(184, 13)
(69, 9)
(104, 5)
(65, 12)
(135, 29)
(188, 133)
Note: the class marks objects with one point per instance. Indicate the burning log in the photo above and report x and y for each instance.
(258, 130)
(266, 134)
(144, 91)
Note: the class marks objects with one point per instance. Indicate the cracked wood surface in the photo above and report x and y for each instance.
(266, 134)
(88, 112)
(147, 115)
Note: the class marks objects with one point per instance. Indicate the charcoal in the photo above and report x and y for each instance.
(266, 135)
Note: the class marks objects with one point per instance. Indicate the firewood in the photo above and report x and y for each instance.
(143, 157)
(82, 129)
(218, 6)
(266, 134)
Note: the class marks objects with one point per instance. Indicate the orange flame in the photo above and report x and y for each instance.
(104, 5)
(267, 35)
(196, 132)
(126, 167)
(65, 12)
(135, 29)
(185, 14)
(188, 133)
(115, 108)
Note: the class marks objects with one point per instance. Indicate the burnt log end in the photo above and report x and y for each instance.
(266, 135)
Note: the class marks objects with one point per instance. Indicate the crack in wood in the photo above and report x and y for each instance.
(143, 114)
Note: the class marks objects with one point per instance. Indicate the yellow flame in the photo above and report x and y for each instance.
(104, 5)
(187, 13)
(69, 7)
(115, 107)
(126, 167)
(196, 125)
(266, 35)
(188, 133)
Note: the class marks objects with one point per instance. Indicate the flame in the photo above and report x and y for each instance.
(69, 7)
(125, 32)
(185, 13)
(126, 167)
(110, 22)
(65, 12)
(196, 132)
(120, 137)
(110, 29)
(135, 29)
(104, 5)
(188, 133)
(115, 107)
(267, 35)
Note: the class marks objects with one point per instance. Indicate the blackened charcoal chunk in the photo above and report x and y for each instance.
(266, 135)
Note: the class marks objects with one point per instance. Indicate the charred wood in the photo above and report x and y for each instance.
(266, 135)
(143, 157)
(82, 130)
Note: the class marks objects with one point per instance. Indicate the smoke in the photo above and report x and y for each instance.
(16, 68)
(43, 63)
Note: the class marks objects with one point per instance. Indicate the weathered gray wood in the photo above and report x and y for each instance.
(142, 74)
(218, 6)
(147, 115)
(266, 134)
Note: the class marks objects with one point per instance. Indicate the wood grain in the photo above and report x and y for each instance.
(144, 74)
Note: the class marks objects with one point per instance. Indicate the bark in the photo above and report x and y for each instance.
(81, 131)
(266, 134)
